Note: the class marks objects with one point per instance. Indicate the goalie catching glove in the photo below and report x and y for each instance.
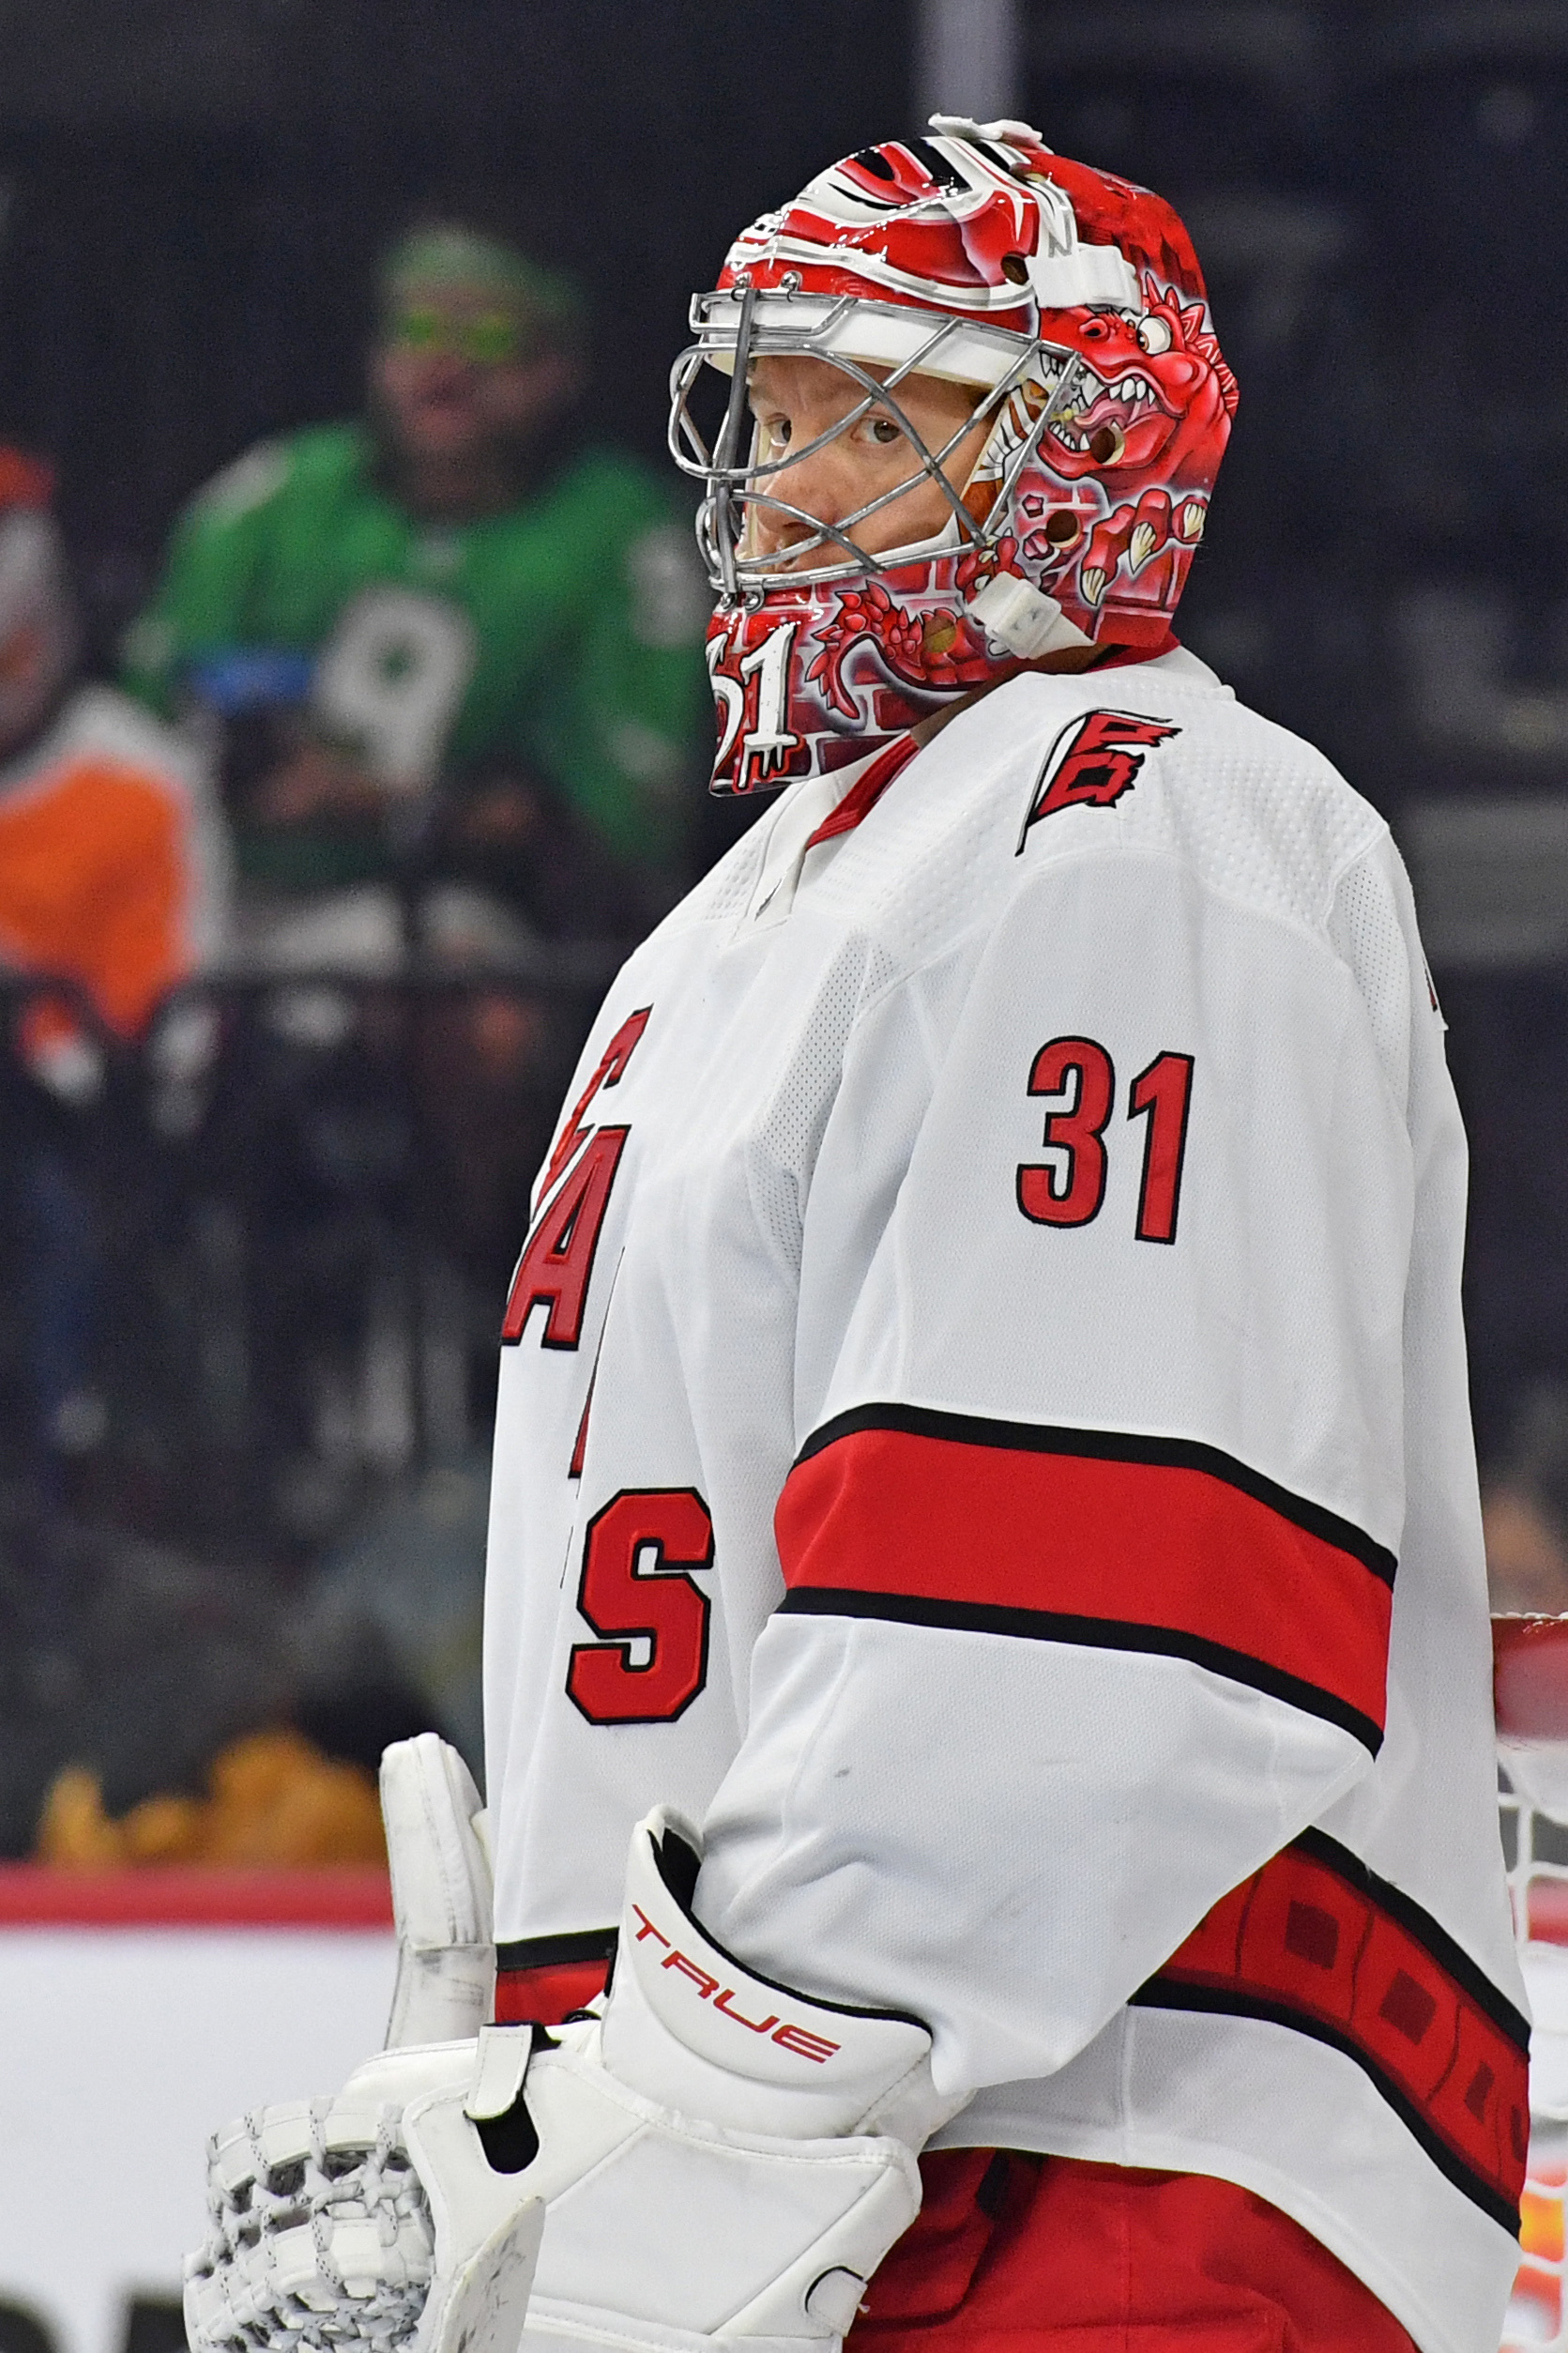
(320, 2230)
(715, 2159)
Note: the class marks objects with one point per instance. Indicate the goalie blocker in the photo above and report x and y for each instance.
(408, 2210)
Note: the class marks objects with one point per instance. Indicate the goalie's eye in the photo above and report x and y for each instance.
(777, 433)
(1154, 335)
(880, 429)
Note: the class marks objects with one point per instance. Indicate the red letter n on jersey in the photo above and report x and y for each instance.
(1093, 761)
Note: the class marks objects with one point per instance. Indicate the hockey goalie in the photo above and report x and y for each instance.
(990, 1768)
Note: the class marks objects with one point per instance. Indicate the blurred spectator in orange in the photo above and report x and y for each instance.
(111, 878)
(1525, 1510)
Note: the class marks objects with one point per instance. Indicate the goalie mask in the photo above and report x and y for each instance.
(1070, 306)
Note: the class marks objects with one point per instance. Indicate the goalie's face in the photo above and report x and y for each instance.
(868, 456)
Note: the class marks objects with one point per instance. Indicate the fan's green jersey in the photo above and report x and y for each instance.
(563, 636)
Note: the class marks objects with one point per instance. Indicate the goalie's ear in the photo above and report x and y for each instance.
(441, 1893)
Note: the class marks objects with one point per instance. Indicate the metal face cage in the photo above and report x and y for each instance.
(733, 328)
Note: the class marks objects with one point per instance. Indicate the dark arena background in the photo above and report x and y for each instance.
(248, 1547)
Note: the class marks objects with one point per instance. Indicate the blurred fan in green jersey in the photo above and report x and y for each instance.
(446, 641)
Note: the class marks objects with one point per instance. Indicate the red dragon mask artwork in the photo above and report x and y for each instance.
(1073, 303)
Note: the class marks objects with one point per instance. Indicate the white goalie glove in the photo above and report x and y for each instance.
(723, 2159)
(716, 2160)
(441, 1894)
(320, 2230)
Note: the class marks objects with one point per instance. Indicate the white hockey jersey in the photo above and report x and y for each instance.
(982, 1426)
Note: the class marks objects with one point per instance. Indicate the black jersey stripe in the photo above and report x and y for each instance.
(556, 1952)
(1050, 1626)
(1232, 2002)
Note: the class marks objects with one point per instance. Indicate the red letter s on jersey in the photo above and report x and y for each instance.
(657, 1604)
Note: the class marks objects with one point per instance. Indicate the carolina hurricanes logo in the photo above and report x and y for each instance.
(1093, 761)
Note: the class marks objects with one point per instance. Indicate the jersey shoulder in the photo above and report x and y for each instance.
(1251, 810)
(1053, 777)
(1155, 760)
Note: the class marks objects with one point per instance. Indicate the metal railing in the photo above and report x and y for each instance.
(300, 1196)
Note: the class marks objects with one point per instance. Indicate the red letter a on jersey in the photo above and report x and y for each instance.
(1093, 762)
(557, 1258)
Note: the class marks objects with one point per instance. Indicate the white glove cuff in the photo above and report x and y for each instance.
(692, 2028)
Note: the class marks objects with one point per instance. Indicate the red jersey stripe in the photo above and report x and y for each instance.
(1315, 1942)
(543, 1997)
(197, 1895)
(867, 790)
(997, 1525)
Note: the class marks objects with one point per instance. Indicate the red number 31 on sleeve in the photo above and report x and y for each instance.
(1076, 1080)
